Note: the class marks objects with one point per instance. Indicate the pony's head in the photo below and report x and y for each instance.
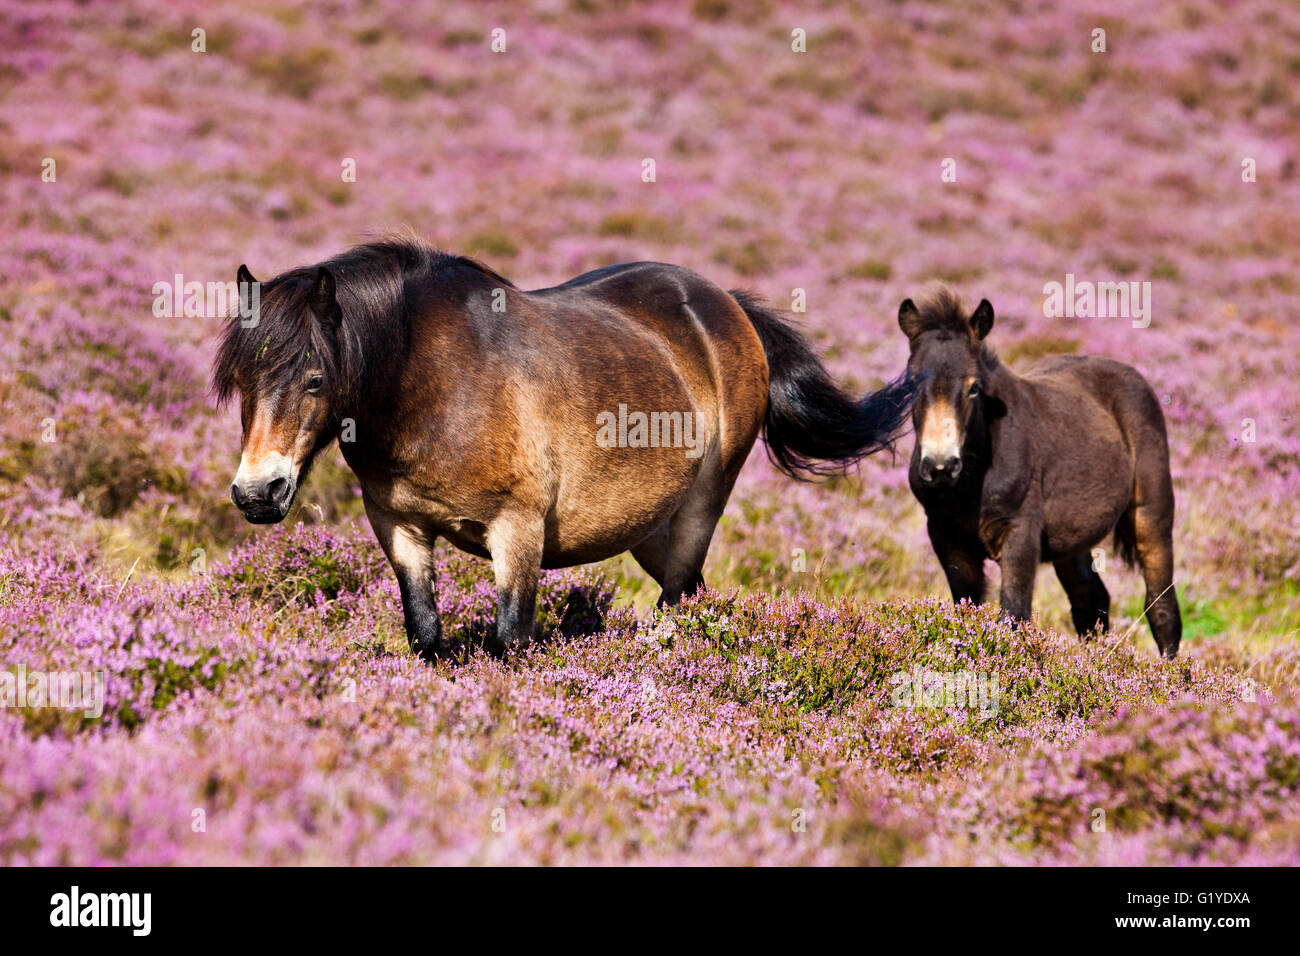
(285, 366)
(949, 362)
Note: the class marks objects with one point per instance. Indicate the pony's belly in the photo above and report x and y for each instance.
(597, 514)
(565, 546)
(599, 527)
(585, 552)
(557, 552)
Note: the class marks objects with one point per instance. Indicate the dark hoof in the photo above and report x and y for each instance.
(432, 651)
(501, 649)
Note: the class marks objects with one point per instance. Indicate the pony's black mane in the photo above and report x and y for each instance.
(371, 281)
(941, 311)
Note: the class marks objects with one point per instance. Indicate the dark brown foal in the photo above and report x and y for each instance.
(1038, 467)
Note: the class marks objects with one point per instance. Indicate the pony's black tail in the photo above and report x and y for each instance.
(812, 428)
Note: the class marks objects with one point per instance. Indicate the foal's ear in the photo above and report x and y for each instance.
(982, 319)
(322, 302)
(244, 276)
(909, 319)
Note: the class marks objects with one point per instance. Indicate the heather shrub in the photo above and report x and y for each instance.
(295, 565)
(846, 660)
(302, 566)
(158, 645)
(1198, 781)
(102, 455)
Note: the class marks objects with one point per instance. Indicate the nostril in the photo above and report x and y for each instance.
(237, 496)
(277, 490)
(940, 470)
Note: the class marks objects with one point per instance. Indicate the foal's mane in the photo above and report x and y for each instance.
(941, 311)
(371, 282)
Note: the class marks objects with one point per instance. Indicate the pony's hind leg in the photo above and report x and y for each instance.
(652, 554)
(689, 532)
(1089, 599)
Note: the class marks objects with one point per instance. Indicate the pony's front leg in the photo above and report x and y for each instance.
(515, 542)
(410, 552)
(1018, 559)
(420, 615)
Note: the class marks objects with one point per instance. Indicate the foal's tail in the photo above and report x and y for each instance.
(812, 428)
(1126, 539)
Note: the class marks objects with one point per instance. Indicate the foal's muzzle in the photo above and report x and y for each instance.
(264, 502)
(940, 471)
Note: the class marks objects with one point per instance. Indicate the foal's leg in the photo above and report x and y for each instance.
(1154, 530)
(1018, 559)
(515, 542)
(1149, 525)
(1089, 599)
(962, 563)
(410, 552)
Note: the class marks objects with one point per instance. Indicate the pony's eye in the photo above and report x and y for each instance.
(973, 391)
(314, 383)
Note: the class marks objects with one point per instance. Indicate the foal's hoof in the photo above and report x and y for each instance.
(500, 649)
(432, 652)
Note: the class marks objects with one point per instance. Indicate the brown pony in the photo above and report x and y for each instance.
(538, 429)
(1038, 467)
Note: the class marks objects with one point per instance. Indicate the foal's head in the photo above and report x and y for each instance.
(949, 363)
(285, 369)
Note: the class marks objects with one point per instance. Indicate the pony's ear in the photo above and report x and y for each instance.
(981, 319)
(322, 300)
(244, 276)
(909, 319)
